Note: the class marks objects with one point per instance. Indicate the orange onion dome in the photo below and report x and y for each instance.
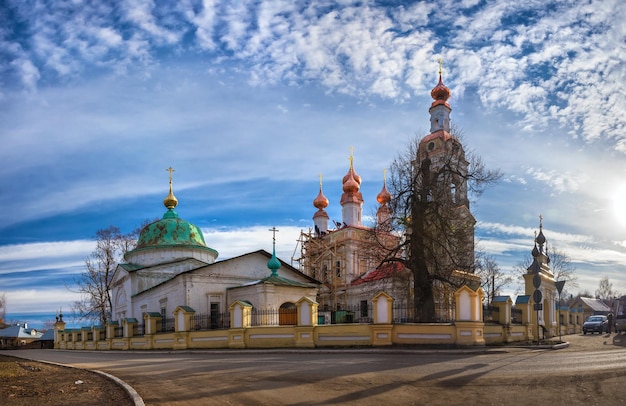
(320, 202)
(350, 185)
(384, 196)
(352, 172)
(441, 91)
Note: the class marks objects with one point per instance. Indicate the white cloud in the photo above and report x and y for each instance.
(237, 241)
(47, 250)
(30, 300)
(559, 182)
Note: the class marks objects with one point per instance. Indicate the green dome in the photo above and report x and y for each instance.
(170, 231)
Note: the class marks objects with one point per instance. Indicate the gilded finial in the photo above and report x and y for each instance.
(320, 181)
(170, 201)
(440, 66)
(351, 156)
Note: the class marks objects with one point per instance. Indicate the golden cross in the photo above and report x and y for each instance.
(351, 155)
(440, 66)
(170, 170)
(320, 180)
(385, 175)
(540, 221)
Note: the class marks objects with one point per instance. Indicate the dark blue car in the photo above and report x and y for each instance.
(596, 324)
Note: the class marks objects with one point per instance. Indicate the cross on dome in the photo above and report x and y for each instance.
(170, 200)
(273, 264)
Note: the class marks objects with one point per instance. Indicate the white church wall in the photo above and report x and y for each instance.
(198, 288)
(267, 296)
(149, 257)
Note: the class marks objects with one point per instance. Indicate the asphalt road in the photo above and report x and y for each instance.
(593, 367)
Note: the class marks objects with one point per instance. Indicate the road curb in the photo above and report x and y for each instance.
(135, 397)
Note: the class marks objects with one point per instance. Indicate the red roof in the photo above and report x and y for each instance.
(382, 272)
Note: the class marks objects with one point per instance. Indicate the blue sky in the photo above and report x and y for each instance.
(249, 101)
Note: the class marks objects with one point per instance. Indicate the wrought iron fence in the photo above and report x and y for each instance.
(139, 330)
(361, 313)
(165, 325)
(405, 312)
(274, 317)
(212, 321)
(516, 316)
(491, 313)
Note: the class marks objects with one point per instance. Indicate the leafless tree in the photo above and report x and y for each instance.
(492, 278)
(431, 208)
(605, 289)
(94, 282)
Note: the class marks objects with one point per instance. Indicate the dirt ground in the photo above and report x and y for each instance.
(24, 382)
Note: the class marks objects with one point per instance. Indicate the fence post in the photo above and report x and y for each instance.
(150, 327)
(307, 312)
(307, 320)
(469, 318)
(523, 303)
(240, 321)
(182, 318)
(383, 308)
(129, 326)
(110, 329)
(504, 304)
(182, 324)
(382, 328)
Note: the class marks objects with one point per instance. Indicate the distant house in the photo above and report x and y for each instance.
(47, 339)
(590, 306)
(18, 335)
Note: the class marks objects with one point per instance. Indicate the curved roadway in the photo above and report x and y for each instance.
(592, 369)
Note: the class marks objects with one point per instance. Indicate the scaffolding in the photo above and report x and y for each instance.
(336, 258)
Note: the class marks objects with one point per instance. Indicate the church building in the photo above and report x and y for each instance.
(172, 266)
(352, 259)
(340, 267)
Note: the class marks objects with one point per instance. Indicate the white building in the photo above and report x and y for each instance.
(171, 266)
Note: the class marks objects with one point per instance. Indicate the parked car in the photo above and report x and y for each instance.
(596, 324)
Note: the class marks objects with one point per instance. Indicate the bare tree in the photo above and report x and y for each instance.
(430, 186)
(492, 278)
(605, 289)
(94, 282)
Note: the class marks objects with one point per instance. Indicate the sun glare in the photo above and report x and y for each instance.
(619, 204)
